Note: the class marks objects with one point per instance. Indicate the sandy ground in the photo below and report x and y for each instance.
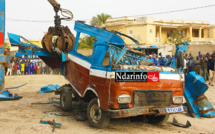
(20, 117)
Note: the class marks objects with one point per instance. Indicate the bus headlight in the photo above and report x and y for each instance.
(178, 100)
(124, 99)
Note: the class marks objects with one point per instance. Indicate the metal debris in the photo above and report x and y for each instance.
(197, 102)
(52, 101)
(5, 95)
(53, 123)
(49, 88)
(175, 122)
(17, 86)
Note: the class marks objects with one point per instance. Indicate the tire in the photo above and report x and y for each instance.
(66, 100)
(158, 120)
(101, 120)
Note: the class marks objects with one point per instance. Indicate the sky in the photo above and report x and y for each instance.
(18, 11)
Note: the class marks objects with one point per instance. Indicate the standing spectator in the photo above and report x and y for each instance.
(211, 70)
(38, 68)
(18, 69)
(163, 60)
(26, 68)
(159, 55)
(9, 70)
(43, 68)
(47, 69)
(31, 67)
(191, 64)
(190, 55)
(158, 60)
(186, 56)
(15, 68)
(169, 60)
(13, 63)
(50, 70)
(37, 60)
(213, 55)
(34, 61)
(54, 71)
(204, 67)
(198, 55)
(18, 60)
(35, 68)
(185, 64)
(29, 61)
(23, 67)
(5, 70)
(198, 65)
(23, 60)
(155, 61)
(208, 57)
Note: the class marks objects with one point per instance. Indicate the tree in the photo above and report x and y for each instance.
(99, 19)
(6, 45)
(86, 42)
(178, 36)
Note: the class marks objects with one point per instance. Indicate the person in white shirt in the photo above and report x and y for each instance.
(9, 70)
(43, 68)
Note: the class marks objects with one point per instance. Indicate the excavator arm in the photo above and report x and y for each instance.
(59, 36)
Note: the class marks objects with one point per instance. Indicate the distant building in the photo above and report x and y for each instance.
(150, 30)
(36, 42)
(14, 49)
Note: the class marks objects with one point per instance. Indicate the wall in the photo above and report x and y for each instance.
(212, 33)
(194, 49)
(151, 31)
(138, 33)
(36, 42)
(164, 34)
(141, 28)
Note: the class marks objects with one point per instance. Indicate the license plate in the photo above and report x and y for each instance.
(174, 110)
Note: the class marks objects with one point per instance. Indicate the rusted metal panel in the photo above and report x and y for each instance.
(146, 110)
(197, 102)
(128, 112)
(152, 97)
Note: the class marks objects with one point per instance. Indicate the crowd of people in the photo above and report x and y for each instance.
(160, 60)
(27, 66)
(203, 64)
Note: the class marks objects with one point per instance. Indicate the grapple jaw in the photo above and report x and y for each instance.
(59, 36)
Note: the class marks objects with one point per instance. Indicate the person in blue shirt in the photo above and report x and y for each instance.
(31, 68)
(164, 60)
(168, 60)
(155, 61)
(162, 63)
(26, 68)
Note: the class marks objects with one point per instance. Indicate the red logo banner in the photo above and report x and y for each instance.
(152, 76)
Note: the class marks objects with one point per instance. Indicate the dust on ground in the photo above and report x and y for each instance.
(21, 117)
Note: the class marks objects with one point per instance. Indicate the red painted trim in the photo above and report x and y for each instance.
(1, 39)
